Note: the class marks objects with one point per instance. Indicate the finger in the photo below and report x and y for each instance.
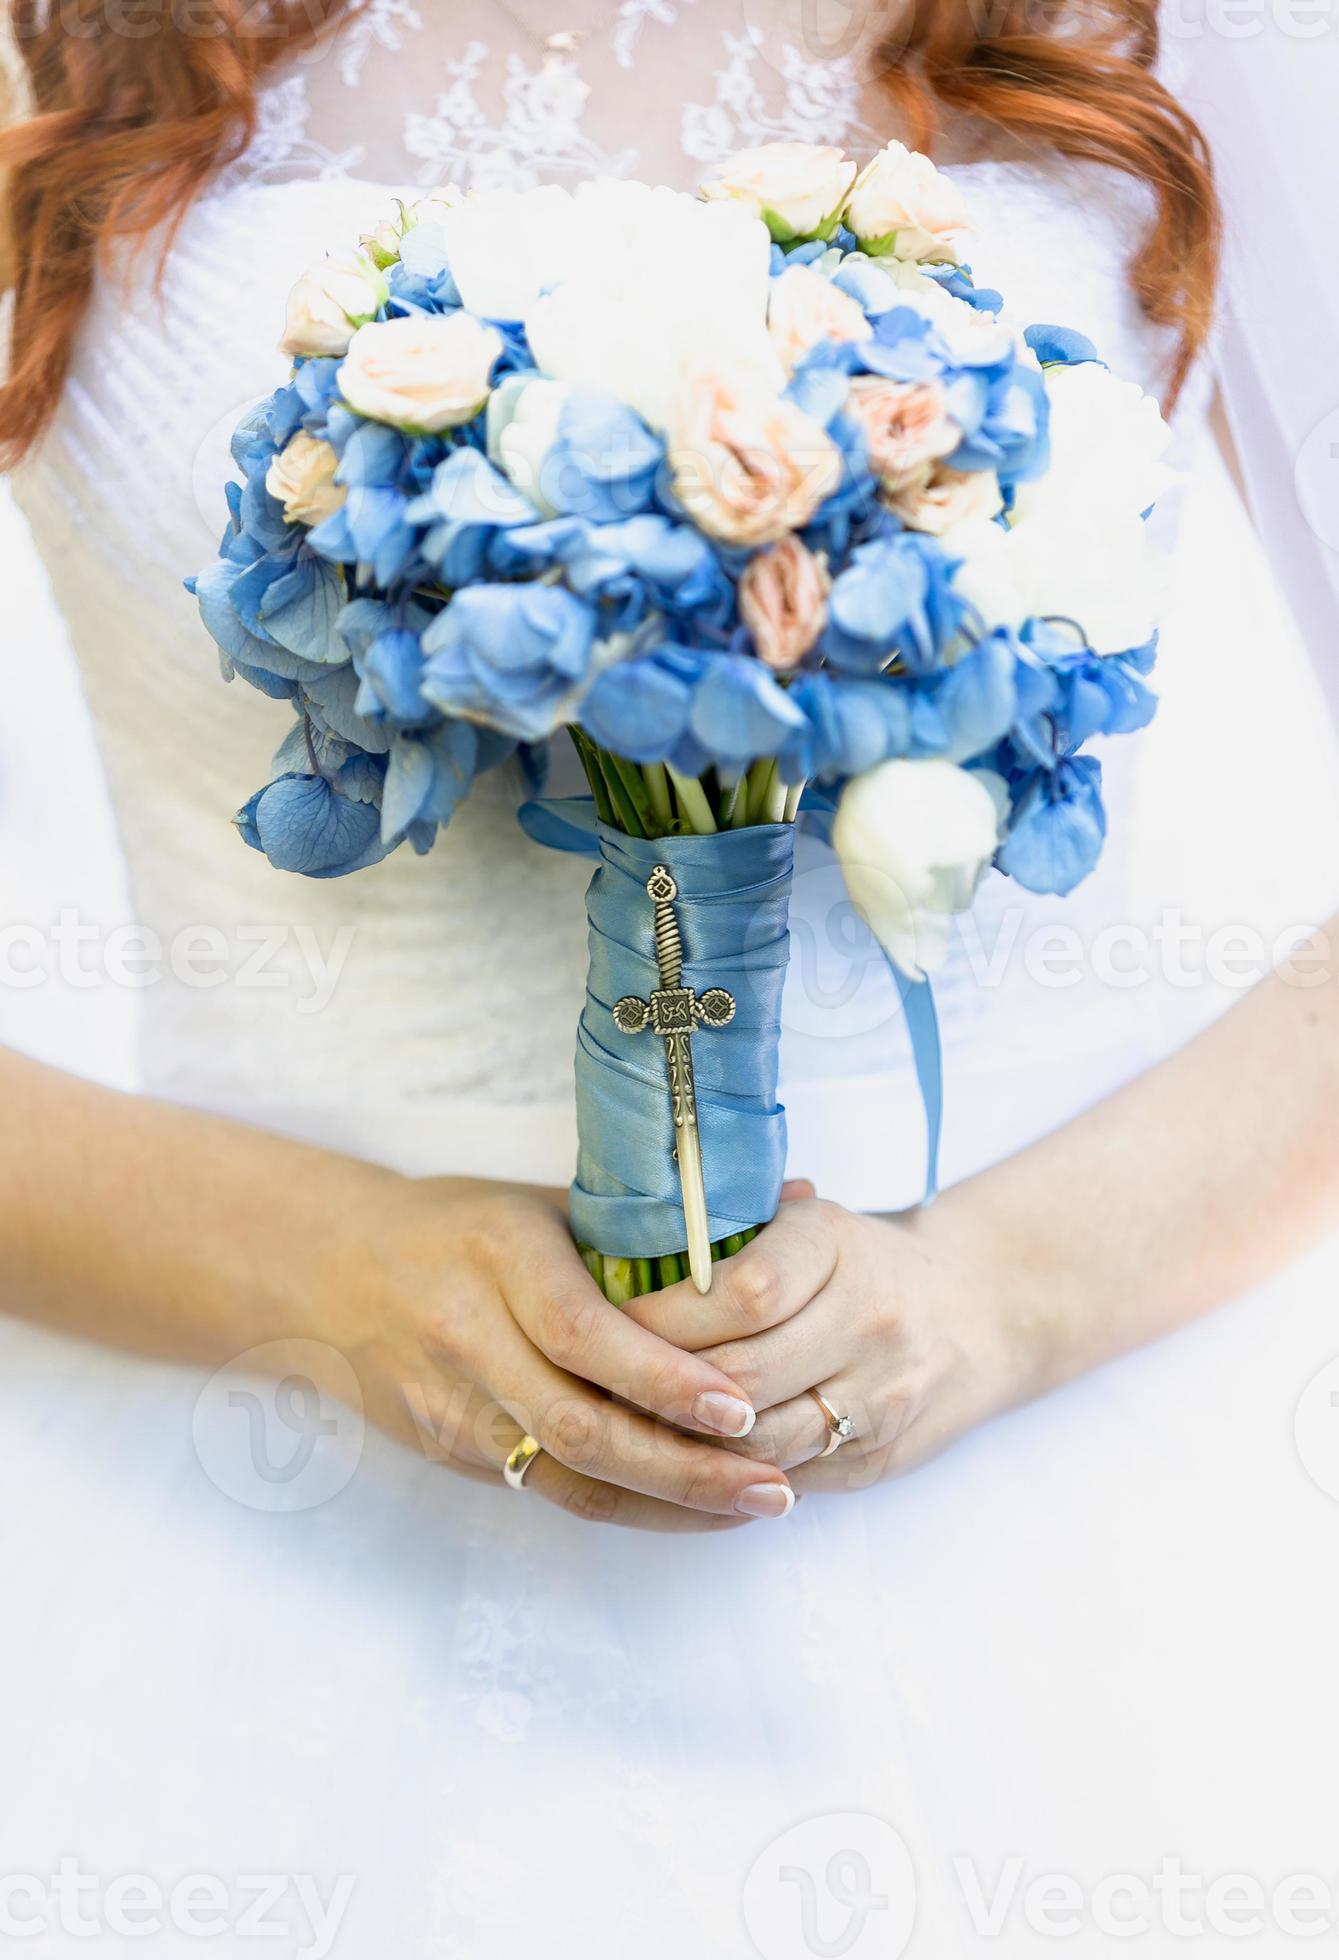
(775, 1275)
(795, 1189)
(596, 1503)
(793, 1433)
(569, 1320)
(803, 1352)
(601, 1440)
(493, 1438)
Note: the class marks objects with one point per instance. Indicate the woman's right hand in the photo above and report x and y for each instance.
(475, 1322)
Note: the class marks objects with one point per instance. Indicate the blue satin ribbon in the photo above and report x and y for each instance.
(733, 904)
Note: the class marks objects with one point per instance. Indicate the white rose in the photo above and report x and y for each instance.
(523, 418)
(903, 205)
(986, 576)
(804, 308)
(1108, 447)
(641, 346)
(330, 303)
(506, 247)
(914, 839)
(797, 189)
(1104, 573)
(426, 373)
(432, 208)
(302, 479)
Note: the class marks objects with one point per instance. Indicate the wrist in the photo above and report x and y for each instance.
(1030, 1282)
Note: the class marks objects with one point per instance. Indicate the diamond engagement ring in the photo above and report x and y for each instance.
(840, 1428)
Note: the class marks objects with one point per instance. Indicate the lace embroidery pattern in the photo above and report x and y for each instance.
(633, 16)
(516, 119)
(281, 148)
(821, 105)
(377, 23)
(540, 135)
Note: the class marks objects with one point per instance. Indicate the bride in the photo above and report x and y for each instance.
(283, 1655)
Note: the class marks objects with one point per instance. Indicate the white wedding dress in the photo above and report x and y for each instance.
(1096, 1635)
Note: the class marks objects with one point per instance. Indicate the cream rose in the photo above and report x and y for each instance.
(746, 465)
(902, 204)
(804, 308)
(906, 426)
(425, 373)
(330, 303)
(783, 601)
(797, 189)
(302, 479)
(946, 498)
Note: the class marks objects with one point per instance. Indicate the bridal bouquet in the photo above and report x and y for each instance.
(781, 517)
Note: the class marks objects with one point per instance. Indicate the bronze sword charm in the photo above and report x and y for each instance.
(674, 1012)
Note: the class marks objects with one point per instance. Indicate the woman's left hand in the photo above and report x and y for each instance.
(902, 1324)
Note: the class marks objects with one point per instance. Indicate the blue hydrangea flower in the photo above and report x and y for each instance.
(647, 563)
(894, 601)
(1057, 827)
(516, 656)
(467, 508)
(308, 824)
(691, 708)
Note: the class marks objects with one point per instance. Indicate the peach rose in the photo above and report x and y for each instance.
(803, 308)
(949, 497)
(906, 426)
(783, 600)
(302, 479)
(746, 465)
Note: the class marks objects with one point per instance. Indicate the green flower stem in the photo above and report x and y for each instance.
(794, 791)
(620, 1280)
(627, 782)
(693, 803)
(774, 801)
(590, 762)
(626, 814)
(732, 797)
(669, 1270)
(658, 789)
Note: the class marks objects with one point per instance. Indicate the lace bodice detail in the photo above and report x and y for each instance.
(490, 105)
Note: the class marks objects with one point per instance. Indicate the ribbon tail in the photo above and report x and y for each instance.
(927, 1051)
(562, 823)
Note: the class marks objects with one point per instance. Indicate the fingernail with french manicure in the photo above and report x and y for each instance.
(726, 1414)
(766, 1501)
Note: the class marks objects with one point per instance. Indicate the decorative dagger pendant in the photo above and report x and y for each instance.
(674, 1012)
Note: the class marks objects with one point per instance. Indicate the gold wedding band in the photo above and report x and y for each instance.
(514, 1469)
(840, 1428)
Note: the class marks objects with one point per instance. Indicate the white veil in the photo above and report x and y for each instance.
(1263, 79)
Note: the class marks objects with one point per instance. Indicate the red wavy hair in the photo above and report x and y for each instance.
(127, 128)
